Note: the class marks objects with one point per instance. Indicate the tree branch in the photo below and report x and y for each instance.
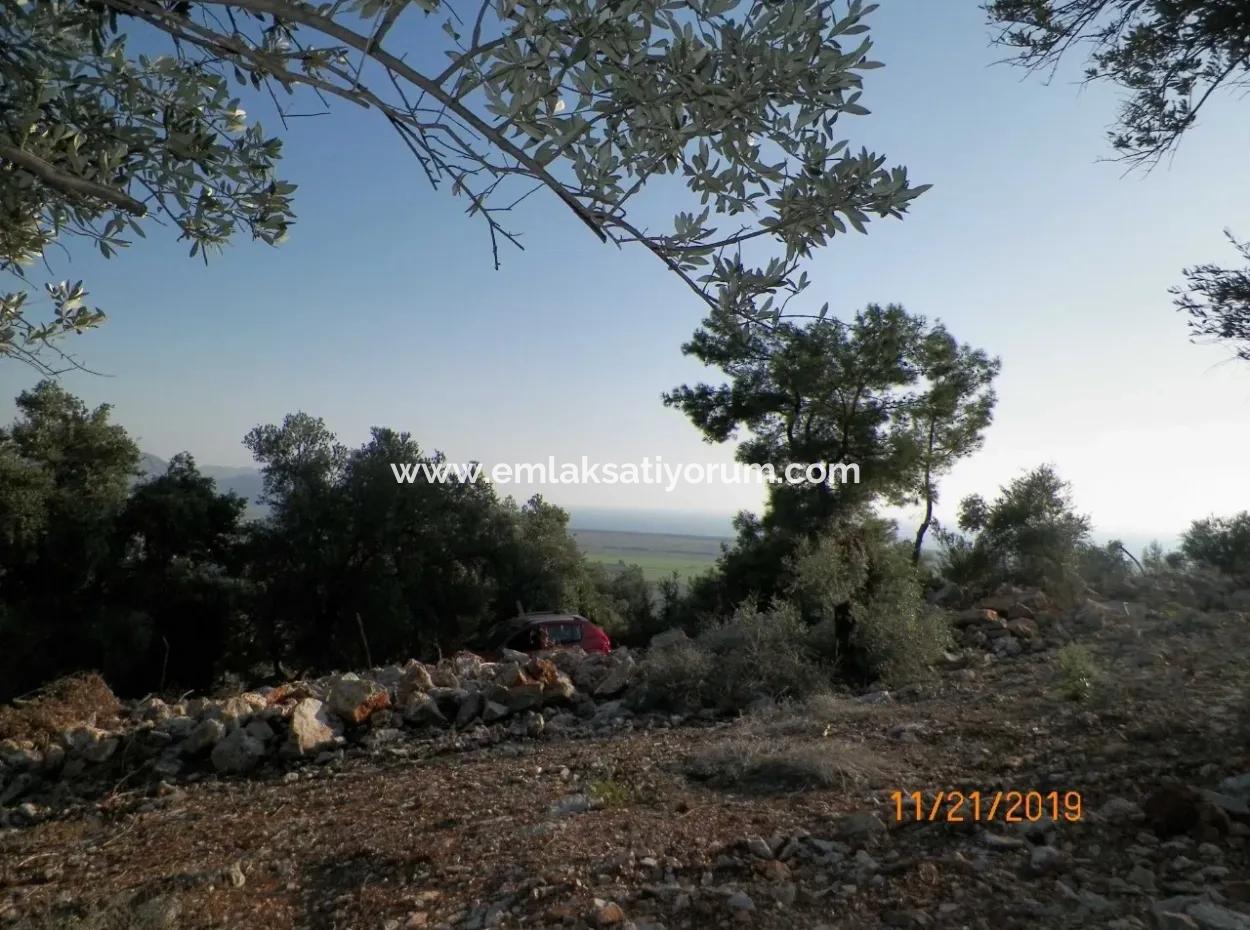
(68, 183)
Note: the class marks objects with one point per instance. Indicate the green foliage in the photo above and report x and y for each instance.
(610, 793)
(1220, 543)
(761, 654)
(98, 139)
(865, 392)
(1030, 534)
(860, 589)
(160, 585)
(1078, 672)
(743, 102)
(1171, 58)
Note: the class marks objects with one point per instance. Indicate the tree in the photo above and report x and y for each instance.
(950, 419)
(1030, 534)
(66, 472)
(591, 104)
(1171, 57)
(1220, 543)
(179, 575)
(833, 392)
(829, 392)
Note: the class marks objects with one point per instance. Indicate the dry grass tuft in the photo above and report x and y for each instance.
(767, 766)
(76, 700)
(160, 913)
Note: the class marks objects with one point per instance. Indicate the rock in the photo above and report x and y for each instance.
(1236, 808)
(758, 847)
(1142, 877)
(858, 826)
(607, 914)
(559, 690)
(416, 678)
(999, 602)
(20, 755)
(975, 615)
(153, 709)
(542, 670)
(444, 677)
(1121, 811)
(1236, 785)
(91, 743)
(470, 709)
(259, 729)
(1174, 810)
(1023, 629)
(494, 711)
(203, 737)
(524, 696)
(1047, 860)
(573, 804)
(616, 680)
(312, 728)
(352, 700)
(1167, 920)
(740, 902)
(1211, 916)
(876, 697)
(238, 752)
(178, 727)
(423, 710)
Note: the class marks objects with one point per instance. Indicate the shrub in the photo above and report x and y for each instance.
(1220, 543)
(610, 793)
(761, 654)
(865, 596)
(1030, 535)
(675, 676)
(1078, 672)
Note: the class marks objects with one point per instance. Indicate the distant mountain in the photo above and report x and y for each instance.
(248, 483)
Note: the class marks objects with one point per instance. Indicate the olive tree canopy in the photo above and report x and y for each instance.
(115, 113)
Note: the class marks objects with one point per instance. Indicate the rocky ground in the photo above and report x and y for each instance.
(381, 802)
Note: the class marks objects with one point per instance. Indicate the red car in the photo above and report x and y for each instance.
(533, 632)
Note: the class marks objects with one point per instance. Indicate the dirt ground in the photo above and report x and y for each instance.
(611, 829)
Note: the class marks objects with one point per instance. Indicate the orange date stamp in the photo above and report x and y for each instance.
(986, 806)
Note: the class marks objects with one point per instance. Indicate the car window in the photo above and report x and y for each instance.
(565, 634)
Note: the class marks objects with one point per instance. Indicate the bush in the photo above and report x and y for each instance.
(762, 654)
(1220, 543)
(1078, 672)
(675, 676)
(1030, 535)
(865, 598)
(754, 655)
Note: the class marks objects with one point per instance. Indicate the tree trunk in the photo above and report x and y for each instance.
(924, 528)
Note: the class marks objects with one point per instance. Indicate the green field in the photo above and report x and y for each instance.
(658, 554)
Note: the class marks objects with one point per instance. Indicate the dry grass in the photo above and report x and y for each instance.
(156, 914)
(767, 766)
(812, 716)
(75, 700)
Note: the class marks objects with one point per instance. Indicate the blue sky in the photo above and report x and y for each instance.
(383, 307)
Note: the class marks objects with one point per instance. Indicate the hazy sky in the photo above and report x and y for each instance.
(383, 307)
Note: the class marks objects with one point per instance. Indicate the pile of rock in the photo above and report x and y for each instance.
(1008, 622)
(316, 719)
